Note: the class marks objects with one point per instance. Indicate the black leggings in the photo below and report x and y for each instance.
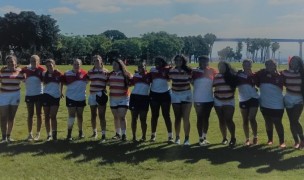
(273, 117)
(143, 121)
(294, 119)
(202, 115)
(163, 101)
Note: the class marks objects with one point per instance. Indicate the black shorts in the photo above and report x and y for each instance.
(278, 113)
(48, 100)
(160, 97)
(253, 102)
(33, 99)
(139, 102)
(72, 103)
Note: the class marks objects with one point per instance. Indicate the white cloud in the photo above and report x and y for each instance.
(8, 8)
(62, 10)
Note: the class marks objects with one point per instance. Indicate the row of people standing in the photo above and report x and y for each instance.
(153, 89)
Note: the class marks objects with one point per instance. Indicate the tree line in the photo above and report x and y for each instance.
(27, 33)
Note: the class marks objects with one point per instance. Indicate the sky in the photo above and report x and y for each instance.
(224, 18)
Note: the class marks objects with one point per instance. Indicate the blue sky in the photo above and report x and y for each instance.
(224, 18)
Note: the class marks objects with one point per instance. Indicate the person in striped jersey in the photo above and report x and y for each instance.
(119, 81)
(293, 99)
(52, 79)
(139, 100)
(75, 81)
(10, 79)
(160, 96)
(33, 93)
(98, 76)
(270, 83)
(224, 88)
(202, 77)
(248, 100)
(181, 97)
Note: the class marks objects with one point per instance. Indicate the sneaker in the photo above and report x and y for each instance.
(186, 142)
(296, 145)
(94, 136)
(30, 137)
(143, 139)
(203, 142)
(247, 142)
(81, 136)
(225, 141)
(255, 141)
(124, 137)
(37, 136)
(134, 140)
(283, 145)
(10, 140)
(103, 138)
(69, 138)
(153, 138)
(170, 140)
(3, 141)
(232, 142)
(116, 136)
(177, 140)
(269, 142)
(49, 138)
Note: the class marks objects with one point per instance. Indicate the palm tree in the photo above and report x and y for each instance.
(210, 38)
(274, 47)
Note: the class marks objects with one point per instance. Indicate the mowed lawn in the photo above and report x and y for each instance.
(90, 159)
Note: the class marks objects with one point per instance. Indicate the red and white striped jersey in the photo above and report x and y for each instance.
(10, 80)
(292, 81)
(52, 83)
(222, 90)
(118, 88)
(246, 86)
(33, 80)
(180, 79)
(98, 79)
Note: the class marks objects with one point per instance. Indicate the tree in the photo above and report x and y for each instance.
(238, 54)
(274, 47)
(210, 38)
(114, 35)
(194, 45)
(226, 53)
(128, 49)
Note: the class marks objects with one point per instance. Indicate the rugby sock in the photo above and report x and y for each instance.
(118, 131)
(123, 131)
(186, 138)
(204, 135)
(170, 134)
(103, 132)
(54, 135)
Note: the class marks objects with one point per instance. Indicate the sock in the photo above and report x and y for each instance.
(103, 132)
(123, 131)
(118, 131)
(170, 134)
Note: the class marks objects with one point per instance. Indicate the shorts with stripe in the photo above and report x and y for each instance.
(48, 100)
(119, 102)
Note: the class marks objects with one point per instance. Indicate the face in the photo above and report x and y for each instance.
(50, 66)
(115, 66)
(178, 62)
(294, 65)
(141, 68)
(222, 68)
(76, 66)
(203, 63)
(11, 63)
(247, 66)
(270, 66)
(97, 62)
(34, 62)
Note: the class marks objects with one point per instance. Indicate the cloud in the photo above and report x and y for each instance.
(182, 19)
(8, 8)
(61, 10)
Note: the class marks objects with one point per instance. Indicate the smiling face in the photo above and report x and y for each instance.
(97, 62)
(141, 68)
(116, 66)
(50, 66)
(76, 65)
(34, 61)
(11, 63)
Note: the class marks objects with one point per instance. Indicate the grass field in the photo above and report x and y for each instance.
(89, 159)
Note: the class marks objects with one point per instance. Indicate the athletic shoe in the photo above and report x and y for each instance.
(225, 141)
(255, 141)
(170, 140)
(94, 136)
(116, 136)
(49, 138)
(247, 142)
(282, 145)
(203, 142)
(269, 142)
(81, 135)
(134, 139)
(296, 145)
(143, 139)
(10, 140)
(37, 136)
(186, 142)
(177, 140)
(153, 138)
(124, 137)
(232, 142)
(30, 137)
(103, 138)
(3, 141)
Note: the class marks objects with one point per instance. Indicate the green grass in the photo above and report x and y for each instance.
(89, 159)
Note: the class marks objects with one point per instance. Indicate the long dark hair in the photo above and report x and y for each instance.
(301, 70)
(160, 59)
(184, 66)
(125, 73)
(229, 75)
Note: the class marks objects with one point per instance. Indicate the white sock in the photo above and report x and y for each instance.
(118, 130)
(170, 134)
(123, 131)
(103, 132)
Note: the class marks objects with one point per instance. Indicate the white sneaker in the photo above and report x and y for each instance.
(30, 137)
(36, 138)
(177, 141)
(186, 143)
(3, 141)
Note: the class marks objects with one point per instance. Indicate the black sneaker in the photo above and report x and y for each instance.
(94, 136)
(103, 138)
(116, 136)
(225, 141)
(153, 138)
(134, 139)
(143, 139)
(81, 136)
(170, 140)
(69, 138)
(124, 137)
(49, 138)
(232, 142)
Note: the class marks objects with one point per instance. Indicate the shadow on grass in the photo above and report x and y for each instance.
(263, 158)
